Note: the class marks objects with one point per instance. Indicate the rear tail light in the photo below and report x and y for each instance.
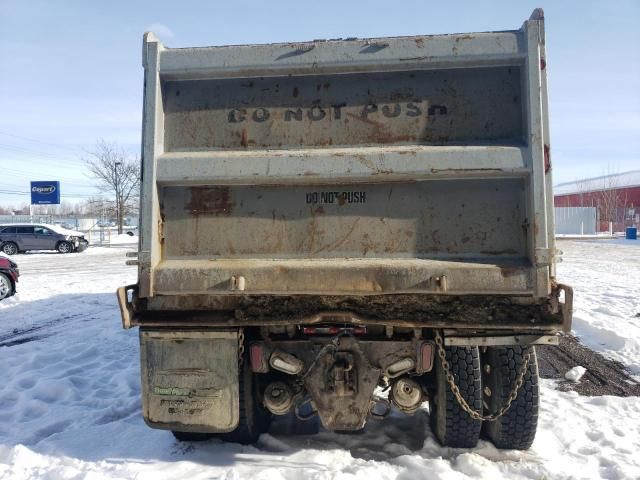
(258, 358)
(425, 357)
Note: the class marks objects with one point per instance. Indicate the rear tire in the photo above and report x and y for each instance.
(516, 429)
(452, 426)
(254, 417)
(64, 247)
(9, 248)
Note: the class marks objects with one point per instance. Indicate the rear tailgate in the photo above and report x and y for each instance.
(397, 165)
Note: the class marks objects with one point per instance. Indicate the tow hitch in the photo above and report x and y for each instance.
(341, 385)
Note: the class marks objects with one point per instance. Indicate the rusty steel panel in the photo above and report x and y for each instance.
(442, 107)
(434, 219)
(279, 168)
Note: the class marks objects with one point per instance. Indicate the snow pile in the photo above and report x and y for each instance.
(575, 374)
(70, 396)
(123, 238)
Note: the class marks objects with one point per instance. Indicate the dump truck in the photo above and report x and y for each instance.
(338, 228)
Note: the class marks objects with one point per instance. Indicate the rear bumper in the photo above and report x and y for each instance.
(473, 313)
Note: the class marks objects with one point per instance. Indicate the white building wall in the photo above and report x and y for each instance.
(576, 220)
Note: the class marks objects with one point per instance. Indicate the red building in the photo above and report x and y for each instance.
(617, 198)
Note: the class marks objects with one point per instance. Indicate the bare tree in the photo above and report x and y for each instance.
(582, 188)
(614, 201)
(117, 173)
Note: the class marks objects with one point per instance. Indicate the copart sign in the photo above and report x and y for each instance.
(45, 193)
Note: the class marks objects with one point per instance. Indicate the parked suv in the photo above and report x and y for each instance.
(18, 238)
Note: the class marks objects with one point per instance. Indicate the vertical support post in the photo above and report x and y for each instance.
(541, 200)
(152, 147)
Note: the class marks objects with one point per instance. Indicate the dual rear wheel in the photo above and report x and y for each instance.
(485, 379)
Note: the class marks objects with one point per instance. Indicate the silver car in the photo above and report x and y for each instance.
(21, 237)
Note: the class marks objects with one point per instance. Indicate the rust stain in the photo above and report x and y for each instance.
(372, 166)
(393, 245)
(509, 271)
(367, 245)
(380, 132)
(547, 158)
(216, 200)
(366, 120)
(244, 139)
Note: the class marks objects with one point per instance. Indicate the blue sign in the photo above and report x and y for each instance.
(45, 193)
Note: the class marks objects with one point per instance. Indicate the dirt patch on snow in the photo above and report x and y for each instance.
(603, 376)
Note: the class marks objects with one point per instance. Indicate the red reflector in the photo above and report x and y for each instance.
(426, 357)
(258, 362)
(309, 330)
(359, 330)
(334, 330)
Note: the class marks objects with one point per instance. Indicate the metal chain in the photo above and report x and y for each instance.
(456, 391)
(241, 347)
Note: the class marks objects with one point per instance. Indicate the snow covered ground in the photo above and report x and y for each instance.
(70, 393)
(605, 275)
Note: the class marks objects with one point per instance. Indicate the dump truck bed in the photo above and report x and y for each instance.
(344, 171)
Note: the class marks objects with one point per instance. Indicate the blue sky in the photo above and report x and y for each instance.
(70, 71)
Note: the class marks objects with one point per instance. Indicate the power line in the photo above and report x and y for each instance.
(22, 178)
(10, 192)
(27, 157)
(57, 145)
(28, 150)
(31, 178)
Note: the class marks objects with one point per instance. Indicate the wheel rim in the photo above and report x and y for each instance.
(9, 249)
(4, 287)
(64, 247)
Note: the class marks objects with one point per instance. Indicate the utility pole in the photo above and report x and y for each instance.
(118, 206)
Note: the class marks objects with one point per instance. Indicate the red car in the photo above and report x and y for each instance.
(9, 274)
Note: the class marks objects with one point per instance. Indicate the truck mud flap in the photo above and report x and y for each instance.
(190, 380)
